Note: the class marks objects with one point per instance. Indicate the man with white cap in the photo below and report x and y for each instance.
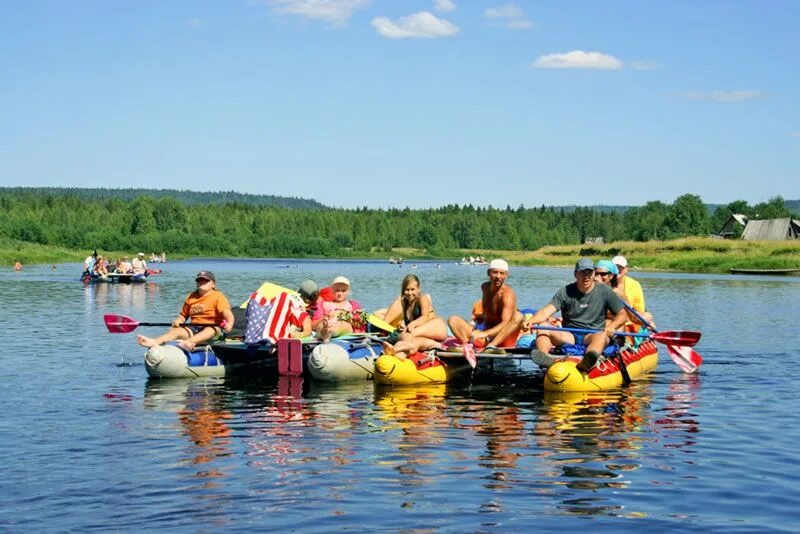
(138, 264)
(630, 288)
(499, 308)
(583, 304)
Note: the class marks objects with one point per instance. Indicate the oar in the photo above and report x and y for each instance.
(120, 324)
(683, 338)
(684, 357)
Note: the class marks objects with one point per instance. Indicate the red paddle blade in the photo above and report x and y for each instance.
(683, 338)
(685, 358)
(119, 324)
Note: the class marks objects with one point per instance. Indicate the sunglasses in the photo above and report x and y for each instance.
(598, 273)
(202, 280)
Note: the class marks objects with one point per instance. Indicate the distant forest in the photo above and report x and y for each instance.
(232, 224)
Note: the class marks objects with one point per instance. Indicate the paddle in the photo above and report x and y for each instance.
(684, 357)
(684, 338)
(120, 324)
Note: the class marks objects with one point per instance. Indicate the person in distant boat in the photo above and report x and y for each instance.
(583, 304)
(17, 265)
(499, 310)
(205, 315)
(339, 316)
(100, 267)
(139, 266)
(630, 290)
(88, 263)
(418, 326)
(124, 266)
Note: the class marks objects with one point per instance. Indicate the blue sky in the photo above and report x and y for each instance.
(406, 103)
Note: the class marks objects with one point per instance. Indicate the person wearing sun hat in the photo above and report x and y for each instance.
(205, 315)
(138, 264)
(499, 306)
(583, 304)
(340, 315)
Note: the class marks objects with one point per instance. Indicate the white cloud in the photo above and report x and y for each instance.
(334, 11)
(444, 6)
(727, 97)
(511, 16)
(578, 59)
(795, 134)
(644, 65)
(735, 96)
(422, 25)
(508, 11)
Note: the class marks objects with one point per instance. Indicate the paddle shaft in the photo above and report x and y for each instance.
(589, 331)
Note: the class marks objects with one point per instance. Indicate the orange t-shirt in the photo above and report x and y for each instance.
(206, 309)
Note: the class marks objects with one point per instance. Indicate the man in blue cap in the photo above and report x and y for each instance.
(583, 304)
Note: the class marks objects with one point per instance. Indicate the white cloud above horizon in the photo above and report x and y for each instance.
(644, 64)
(510, 16)
(726, 97)
(578, 59)
(444, 6)
(422, 25)
(795, 134)
(336, 12)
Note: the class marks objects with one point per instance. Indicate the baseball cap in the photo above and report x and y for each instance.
(140, 254)
(498, 265)
(608, 266)
(584, 264)
(308, 288)
(341, 280)
(619, 260)
(208, 275)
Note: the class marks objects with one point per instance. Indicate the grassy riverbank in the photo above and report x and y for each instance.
(693, 255)
(696, 255)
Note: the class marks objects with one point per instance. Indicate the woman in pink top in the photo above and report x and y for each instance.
(339, 316)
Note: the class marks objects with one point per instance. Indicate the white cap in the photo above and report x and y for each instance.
(619, 260)
(341, 280)
(498, 265)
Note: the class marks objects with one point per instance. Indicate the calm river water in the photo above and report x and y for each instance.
(88, 443)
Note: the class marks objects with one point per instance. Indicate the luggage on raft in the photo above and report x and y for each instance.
(344, 360)
(419, 368)
(171, 361)
(563, 376)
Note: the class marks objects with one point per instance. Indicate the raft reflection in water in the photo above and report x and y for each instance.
(593, 439)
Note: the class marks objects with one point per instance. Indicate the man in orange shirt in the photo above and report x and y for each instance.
(208, 312)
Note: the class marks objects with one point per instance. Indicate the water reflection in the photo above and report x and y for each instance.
(593, 439)
(133, 297)
(203, 416)
(678, 423)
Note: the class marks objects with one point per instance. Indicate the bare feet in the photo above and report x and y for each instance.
(188, 345)
(324, 332)
(146, 341)
(392, 351)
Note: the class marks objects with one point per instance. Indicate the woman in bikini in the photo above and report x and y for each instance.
(418, 325)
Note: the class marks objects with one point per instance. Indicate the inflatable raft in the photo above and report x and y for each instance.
(563, 376)
(344, 360)
(171, 361)
(418, 368)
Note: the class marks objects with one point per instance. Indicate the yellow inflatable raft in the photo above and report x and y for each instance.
(563, 376)
(418, 368)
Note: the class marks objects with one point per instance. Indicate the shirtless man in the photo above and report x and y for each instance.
(499, 308)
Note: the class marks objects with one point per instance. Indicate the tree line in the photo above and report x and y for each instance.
(155, 224)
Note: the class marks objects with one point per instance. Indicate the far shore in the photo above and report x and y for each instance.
(691, 255)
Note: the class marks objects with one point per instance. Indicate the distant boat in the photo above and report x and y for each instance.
(779, 272)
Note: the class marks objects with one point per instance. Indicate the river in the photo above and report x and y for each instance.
(88, 443)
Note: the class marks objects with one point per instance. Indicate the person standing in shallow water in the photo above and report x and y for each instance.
(205, 314)
(583, 304)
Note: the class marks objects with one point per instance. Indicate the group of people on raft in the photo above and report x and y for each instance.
(601, 299)
(99, 266)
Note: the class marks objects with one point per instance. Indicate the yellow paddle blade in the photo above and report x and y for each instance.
(377, 322)
(269, 291)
